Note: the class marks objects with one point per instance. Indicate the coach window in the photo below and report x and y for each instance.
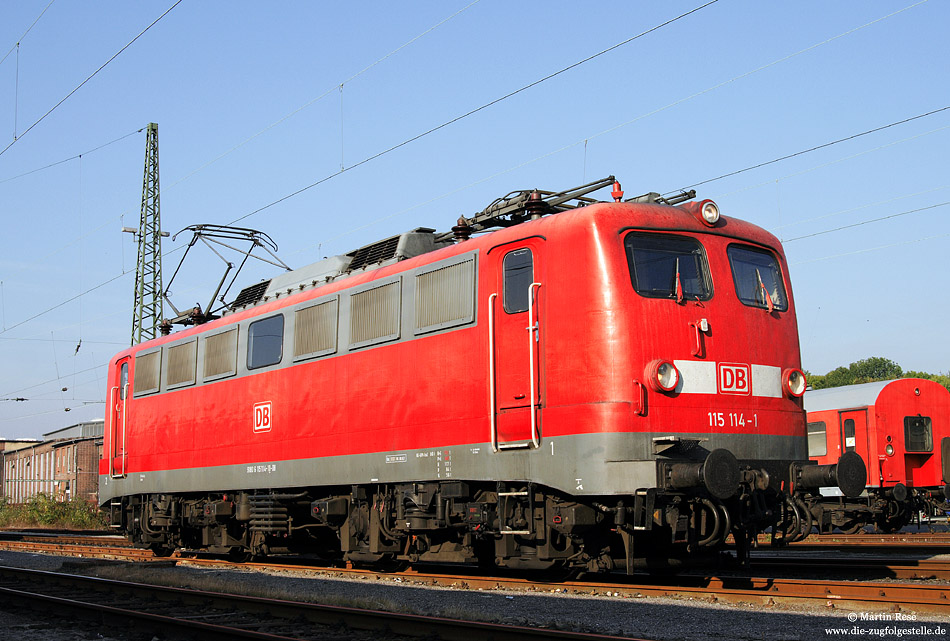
(848, 435)
(668, 267)
(817, 439)
(265, 342)
(519, 274)
(757, 277)
(918, 434)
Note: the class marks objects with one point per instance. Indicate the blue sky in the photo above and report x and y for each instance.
(250, 109)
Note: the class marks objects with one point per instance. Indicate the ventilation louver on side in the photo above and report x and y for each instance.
(221, 354)
(181, 363)
(250, 295)
(375, 253)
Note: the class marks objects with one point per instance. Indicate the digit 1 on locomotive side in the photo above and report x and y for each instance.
(592, 385)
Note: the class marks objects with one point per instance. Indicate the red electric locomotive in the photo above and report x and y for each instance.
(901, 429)
(595, 385)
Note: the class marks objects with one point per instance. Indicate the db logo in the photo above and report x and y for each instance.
(734, 378)
(262, 417)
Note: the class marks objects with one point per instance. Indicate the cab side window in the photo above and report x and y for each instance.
(123, 380)
(518, 275)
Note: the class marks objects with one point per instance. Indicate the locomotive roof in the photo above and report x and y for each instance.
(648, 212)
(419, 241)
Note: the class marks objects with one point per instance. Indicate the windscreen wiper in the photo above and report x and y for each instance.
(765, 291)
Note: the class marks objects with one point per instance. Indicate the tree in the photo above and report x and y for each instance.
(869, 370)
(873, 369)
(838, 377)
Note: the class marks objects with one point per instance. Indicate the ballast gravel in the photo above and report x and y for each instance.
(644, 618)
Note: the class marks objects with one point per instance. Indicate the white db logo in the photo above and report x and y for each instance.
(263, 413)
(734, 378)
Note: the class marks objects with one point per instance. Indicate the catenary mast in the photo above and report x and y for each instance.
(147, 313)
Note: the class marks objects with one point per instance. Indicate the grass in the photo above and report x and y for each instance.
(43, 511)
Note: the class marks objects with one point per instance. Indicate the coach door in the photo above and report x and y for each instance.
(118, 395)
(516, 336)
(854, 433)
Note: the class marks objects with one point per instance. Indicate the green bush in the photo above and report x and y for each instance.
(43, 510)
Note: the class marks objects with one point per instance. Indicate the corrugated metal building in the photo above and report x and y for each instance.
(64, 465)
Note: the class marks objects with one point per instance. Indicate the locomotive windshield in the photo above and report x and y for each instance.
(668, 267)
(757, 278)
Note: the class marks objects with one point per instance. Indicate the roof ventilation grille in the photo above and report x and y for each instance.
(250, 295)
(375, 253)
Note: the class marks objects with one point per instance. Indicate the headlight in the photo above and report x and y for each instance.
(794, 380)
(663, 376)
(710, 212)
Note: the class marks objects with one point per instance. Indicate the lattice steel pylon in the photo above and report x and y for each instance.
(148, 311)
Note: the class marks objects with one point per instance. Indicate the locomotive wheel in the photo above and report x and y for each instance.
(390, 564)
(559, 572)
(239, 555)
(161, 550)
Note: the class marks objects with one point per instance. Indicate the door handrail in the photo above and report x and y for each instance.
(531, 341)
(491, 372)
(125, 420)
(111, 453)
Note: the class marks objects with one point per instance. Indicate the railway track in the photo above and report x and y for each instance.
(899, 540)
(768, 591)
(900, 590)
(84, 547)
(211, 615)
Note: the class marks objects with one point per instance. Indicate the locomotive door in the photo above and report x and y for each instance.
(118, 395)
(854, 434)
(516, 337)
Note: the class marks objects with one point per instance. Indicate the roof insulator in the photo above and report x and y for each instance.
(617, 193)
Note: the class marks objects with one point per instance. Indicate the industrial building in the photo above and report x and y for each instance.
(63, 465)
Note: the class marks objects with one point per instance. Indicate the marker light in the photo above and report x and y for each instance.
(662, 376)
(710, 212)
(889, 450)
(794, 382)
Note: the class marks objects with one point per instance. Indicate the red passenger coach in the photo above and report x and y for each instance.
(902, 429)
(592, 385)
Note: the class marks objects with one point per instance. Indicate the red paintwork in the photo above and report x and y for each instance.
(884, 418)
(597, 337)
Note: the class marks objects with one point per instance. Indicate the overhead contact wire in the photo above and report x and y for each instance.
(91, 76)
(641, 117)
(65, 160)
(817, 147)
(865, 222)
(337, 87)
(474, 111)
(20, 39)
